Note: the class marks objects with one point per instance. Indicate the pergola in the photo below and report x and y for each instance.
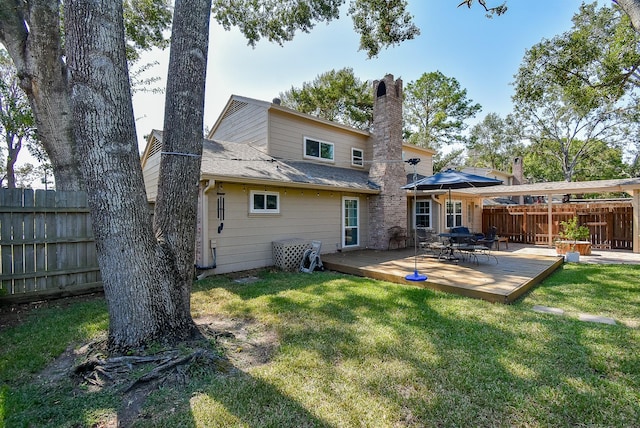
(628, 185)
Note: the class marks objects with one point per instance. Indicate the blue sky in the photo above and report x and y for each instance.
(482, 54)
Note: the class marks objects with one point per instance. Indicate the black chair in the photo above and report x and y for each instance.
(428, 241)
(490, 238)
(398, 235)
(485, 245)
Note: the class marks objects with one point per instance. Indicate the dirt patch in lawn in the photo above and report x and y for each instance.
(231, 345)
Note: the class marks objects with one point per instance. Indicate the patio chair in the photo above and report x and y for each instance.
(398, 235)
(467, 247)
(492, 233)
(484, 246)
(428, 241)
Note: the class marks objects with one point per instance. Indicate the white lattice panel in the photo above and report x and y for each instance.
(287, 254)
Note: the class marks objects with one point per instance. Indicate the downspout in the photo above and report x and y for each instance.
(206, 244)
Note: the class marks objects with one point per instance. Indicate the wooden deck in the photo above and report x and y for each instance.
(501, 282)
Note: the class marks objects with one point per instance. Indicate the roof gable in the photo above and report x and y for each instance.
(154, 145)
(236, 103)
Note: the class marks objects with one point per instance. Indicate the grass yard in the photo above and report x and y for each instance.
(353, 352)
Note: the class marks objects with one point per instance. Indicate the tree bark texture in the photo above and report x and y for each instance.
(176, 203)
(631, 8)
(31, 33)
(143, 292)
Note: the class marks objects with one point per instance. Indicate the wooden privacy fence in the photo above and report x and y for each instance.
(46, 245)
(610, 223)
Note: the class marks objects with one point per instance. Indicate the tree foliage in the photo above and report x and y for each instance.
(435, 111)
(338, 96)
(493, 143)
(145, 25)
(603, 163)
(380, 23)
(596, 61)
(27, 174)
(436, 108)
(491, 11)
(569, 99)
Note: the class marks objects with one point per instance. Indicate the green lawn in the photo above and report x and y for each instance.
(355, 352)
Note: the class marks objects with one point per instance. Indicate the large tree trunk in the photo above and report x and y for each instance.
(31, 33)
(146, 287)
(176, 203)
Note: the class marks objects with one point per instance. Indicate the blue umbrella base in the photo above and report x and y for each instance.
(415, 276)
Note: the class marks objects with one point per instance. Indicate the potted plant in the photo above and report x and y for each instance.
(573, 238)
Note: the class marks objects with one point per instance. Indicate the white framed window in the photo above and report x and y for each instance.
(454, 214)
(316, 149)
(357, 157)
(423, 213)
(350, 222)
(264, 202)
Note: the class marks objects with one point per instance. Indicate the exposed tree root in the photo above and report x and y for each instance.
(225, 346)
(117, 371)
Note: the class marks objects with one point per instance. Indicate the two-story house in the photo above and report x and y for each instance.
(270, 173)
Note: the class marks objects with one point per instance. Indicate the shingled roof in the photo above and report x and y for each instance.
(223, 160)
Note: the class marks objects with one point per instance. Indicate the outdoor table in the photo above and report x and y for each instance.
(454, 244)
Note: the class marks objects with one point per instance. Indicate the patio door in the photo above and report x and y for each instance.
(350, 222)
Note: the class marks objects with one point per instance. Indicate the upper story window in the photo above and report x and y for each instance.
(357, 157)
(264, 202)
(317, 149)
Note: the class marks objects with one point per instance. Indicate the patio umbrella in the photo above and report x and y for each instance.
(452, 179)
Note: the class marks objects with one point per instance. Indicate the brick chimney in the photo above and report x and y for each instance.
(518, 178)
(516, 170)
(389, 208)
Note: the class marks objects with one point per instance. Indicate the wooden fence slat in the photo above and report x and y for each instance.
(51, 248)
(6, 255)
(17, 232)
(40, 237)
(28, 234)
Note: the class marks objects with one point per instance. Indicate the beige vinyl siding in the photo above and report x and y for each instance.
(247, 124)
(150, 174)
(287, 132)
(424, 167)
(245, 241)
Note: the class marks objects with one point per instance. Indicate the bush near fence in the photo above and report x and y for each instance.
(47, 248)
